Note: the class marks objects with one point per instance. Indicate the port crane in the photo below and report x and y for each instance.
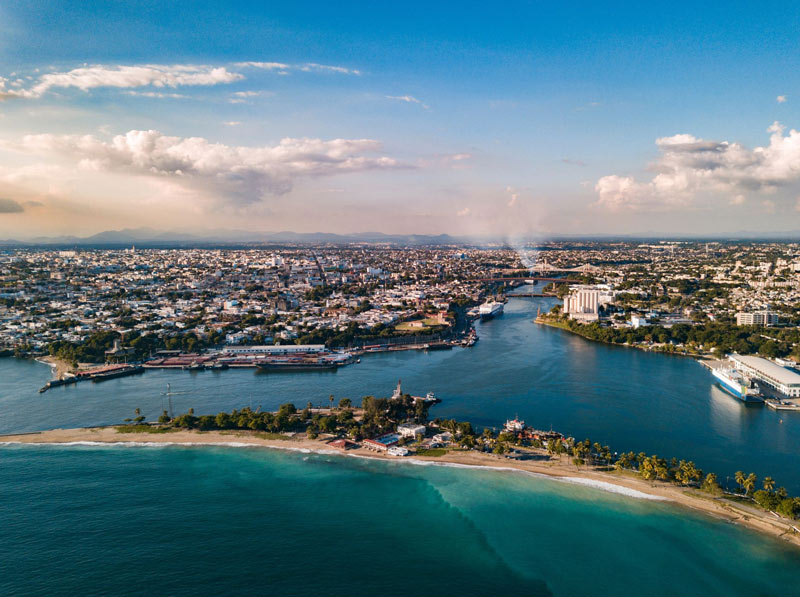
(169, 394)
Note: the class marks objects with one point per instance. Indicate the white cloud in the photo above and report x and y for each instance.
(781, 99)
(156, 94)
(238, 174)
(243, 97)
(689, 166)
(313, 66)
(264, 65)
(408, 99)
(282, 68)
(738, 199)
(156, 75)
(464, 212)
(232, 123)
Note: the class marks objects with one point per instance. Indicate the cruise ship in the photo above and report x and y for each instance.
(490, 309)
(736, 384)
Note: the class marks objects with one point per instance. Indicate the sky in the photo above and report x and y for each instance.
(524, 119)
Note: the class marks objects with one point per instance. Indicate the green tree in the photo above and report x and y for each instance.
(739, 478)
(750, 483)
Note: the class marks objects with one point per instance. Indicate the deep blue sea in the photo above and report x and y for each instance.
(207, 521)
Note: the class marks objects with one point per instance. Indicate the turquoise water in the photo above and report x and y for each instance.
(628, 399)
(210, 521)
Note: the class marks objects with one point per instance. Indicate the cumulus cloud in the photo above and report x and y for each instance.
(9, 206)
(155, 75)
(235, 173)
(689, 166)
(781, 99)
(410, 99)
(464, 212)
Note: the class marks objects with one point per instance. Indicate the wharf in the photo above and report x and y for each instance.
(781, 404)
(96, 374)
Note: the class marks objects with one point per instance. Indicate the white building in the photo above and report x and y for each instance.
(411, 430)
(765, 318)
(275, 350)
(583, 303)
(514, 425)
(785, 381)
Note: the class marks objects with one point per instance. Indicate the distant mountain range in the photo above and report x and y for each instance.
(149, 237)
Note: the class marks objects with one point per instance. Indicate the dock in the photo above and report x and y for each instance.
(95, 375)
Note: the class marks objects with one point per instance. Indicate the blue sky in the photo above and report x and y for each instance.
(525, 119)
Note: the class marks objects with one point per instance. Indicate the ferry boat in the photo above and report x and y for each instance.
(490, 309)
(736, 384)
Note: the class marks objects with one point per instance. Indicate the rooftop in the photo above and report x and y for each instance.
(769, 369)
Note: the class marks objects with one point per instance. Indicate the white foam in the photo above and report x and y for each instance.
(593, 483)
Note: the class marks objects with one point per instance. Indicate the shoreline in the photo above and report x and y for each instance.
(58, 367)
(697, 356)
(613, 481)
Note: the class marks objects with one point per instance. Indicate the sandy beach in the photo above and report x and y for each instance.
(621, 482)
(59, 366)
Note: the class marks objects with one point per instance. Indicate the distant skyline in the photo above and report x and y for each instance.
(535, 120)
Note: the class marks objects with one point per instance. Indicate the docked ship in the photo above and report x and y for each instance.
(736, 384)
(490, 309)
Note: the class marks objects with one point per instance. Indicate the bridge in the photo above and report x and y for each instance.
(528, 280)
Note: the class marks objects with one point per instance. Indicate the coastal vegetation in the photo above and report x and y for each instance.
(377, 416)
(720, 338)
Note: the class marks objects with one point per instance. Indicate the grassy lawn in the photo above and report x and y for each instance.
(143, 429)
(407, 326)
(269, 435)
(431, 452)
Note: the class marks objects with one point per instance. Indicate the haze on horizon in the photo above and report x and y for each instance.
(463, 119)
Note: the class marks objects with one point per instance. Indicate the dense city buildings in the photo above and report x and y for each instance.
(127, 304)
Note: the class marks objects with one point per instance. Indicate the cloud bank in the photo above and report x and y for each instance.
(689, 166)
(239, 174)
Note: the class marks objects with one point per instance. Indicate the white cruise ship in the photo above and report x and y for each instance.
(490, 309)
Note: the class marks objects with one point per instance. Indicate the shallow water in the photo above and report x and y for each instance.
(213, 520)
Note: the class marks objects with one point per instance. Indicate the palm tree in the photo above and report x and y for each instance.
(750, 483)
(769, 484)
(739, 476)
(331, 399)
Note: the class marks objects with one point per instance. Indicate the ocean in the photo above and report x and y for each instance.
(89, 520)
